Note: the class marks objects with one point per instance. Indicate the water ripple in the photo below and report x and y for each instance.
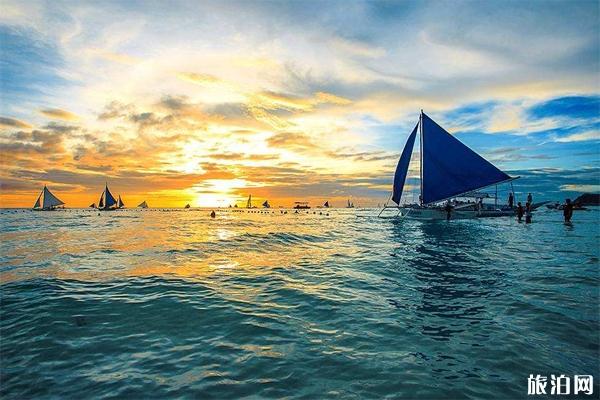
(173, 304)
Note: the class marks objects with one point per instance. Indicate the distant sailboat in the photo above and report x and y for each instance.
(107, 201)
(350, 204)
(326, 205)
(120, 203)
(46, 201)
(143, 204)
(93, 205)
(266, 204)
(448, 169)
(187, 205)
(301, 205)
(249, 202)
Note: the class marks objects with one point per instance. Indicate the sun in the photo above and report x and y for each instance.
(218, 192)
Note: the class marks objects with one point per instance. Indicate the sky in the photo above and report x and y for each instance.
(206, 102)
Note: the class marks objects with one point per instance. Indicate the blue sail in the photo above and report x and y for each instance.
(402, 168)
(109, 200)
(449, 167)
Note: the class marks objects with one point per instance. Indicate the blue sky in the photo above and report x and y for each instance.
(207, 101)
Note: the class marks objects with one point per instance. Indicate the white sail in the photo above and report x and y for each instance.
(50, 200)
(37, 202)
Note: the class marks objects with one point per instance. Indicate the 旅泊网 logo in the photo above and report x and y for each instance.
(560, 385)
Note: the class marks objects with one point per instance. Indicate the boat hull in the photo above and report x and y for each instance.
(438, 214)
(434, 214)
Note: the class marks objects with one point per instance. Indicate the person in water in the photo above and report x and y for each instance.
(568, 210)
(213, 214)
(520, 211)
(530, 198)
(511, 200)
(448, 210)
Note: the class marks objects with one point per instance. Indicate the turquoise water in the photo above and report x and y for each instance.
(173, 304)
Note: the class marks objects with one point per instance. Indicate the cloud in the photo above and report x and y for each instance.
(579, 137)
(293, 141)
(120, 58)
(580, 188)
(570, 106)
(198, 78)
(13, 123)
(115, 109)
(57, 113)
(357, 48)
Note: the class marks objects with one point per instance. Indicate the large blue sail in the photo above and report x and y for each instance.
(109, 200)
(449, 167)
(402, 168)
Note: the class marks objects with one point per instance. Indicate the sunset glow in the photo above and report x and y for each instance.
(208, 102)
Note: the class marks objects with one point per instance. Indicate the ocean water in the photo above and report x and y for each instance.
(174, 304)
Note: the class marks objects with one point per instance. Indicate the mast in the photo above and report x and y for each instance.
(421, 154)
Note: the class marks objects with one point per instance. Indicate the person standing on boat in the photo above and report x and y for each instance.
(448, 210)
(520, 211)
(511, 200)
(568, 211)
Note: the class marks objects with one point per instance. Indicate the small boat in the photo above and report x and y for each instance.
(326, 205)
(301, 205)
(249, 202)
(107, 200)
(266, 204)
(143, 204)
(187, 205)
(47, 201)
(120, 203)
(449, 171)
(350, 204)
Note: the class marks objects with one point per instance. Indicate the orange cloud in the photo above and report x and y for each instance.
(57, 113)
(198, 78)
(13, 123)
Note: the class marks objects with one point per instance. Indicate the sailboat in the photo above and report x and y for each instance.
(143, 204)
(350, 204)
(326, 205)
(120, 203)
(187, 205)
(93, 205)
(107, 201)
(449, 170)
(249, 202)
(46, 201)
(266, 204)
(301, 205)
